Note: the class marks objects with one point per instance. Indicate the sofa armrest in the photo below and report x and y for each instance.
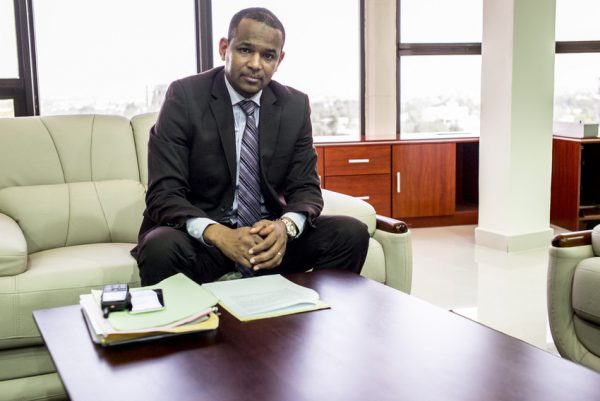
(575, 238)
(13, 247)
(391, 225)
(397, 248)
(562, 262)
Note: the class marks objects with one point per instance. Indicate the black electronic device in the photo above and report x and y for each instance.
(115, 297)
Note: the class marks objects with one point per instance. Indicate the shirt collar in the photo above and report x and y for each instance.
(236, 97)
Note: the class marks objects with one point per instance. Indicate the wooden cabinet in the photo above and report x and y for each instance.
(360, 171)
(575, 194)
(374, 189)
(424, 180)
(424, 183)
(357, 160)
(320, 164)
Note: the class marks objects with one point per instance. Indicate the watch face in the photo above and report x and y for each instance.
(292, 231)
(290, 228)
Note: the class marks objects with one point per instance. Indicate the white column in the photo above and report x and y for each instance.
(380, 69)
(515, 161)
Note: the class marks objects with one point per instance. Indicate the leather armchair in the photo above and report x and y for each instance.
(574, 296)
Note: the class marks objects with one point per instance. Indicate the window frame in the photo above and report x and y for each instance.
(24, 90)
(467, 48)
(424, 49)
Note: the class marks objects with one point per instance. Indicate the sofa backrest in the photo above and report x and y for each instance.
(70, 180)
(141, 125)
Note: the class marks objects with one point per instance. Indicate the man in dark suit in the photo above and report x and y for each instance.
(218, 202)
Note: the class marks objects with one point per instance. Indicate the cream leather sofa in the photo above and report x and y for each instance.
(574, 296)
(71, 201)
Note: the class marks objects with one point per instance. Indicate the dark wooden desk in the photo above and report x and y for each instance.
(375, 343)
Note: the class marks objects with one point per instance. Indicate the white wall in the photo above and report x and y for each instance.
(380, 69)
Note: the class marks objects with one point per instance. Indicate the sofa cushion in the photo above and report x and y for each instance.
(53, 216)
(141, 125)
(596, 240)
(59, 149)
(586, 290)
(57, 277)
(46, 387)
(13, 247)
(24, 362)
(588, 334)
(69, 180)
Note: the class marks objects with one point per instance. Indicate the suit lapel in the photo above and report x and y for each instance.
(268, 126)
(220, 106)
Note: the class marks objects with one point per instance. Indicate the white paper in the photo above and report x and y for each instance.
(258, 295)
(144, 301)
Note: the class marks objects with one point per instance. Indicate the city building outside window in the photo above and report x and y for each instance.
(111, 56)
(9, 67)
(577, 63)
(439, 65)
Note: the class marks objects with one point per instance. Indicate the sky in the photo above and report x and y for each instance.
(118, 48)
(85, 46)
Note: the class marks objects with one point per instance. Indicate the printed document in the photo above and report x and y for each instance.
(264, 296)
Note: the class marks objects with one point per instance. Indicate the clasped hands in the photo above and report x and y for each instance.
(261, 246)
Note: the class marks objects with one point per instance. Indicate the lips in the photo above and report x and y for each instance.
(251, 79)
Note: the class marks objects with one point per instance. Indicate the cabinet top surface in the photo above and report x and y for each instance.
(370, 142)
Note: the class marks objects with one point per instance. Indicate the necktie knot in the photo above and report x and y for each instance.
(248, 106)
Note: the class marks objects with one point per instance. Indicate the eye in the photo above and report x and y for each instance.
(269, 56)
(244, 50)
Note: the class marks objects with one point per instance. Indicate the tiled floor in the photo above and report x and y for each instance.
(505, 291)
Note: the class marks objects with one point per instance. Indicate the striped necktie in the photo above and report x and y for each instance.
(249, 175)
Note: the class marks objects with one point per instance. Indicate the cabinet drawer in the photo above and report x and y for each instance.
(374, 189)
(357, 160)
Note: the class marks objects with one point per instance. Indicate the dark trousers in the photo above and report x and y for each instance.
(336, 242)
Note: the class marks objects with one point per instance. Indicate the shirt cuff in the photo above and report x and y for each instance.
(299, 220)
(196, 226)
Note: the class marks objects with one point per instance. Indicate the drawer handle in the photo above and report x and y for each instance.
(398, 182)
(365, 198)
(358, 161)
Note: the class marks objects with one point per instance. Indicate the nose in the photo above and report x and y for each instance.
(254, 61)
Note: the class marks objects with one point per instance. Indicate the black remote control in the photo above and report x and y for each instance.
(115, 297)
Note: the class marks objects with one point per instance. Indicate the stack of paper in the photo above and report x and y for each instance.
(188, 308)
(265, 296)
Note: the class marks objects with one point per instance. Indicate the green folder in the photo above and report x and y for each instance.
(182, 296)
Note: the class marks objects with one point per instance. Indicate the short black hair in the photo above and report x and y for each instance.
(257, 14)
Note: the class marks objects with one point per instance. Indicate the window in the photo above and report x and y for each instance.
(111, 56)
(577, 63)
(322, 58)
(16, 95)
(577, 20)
(440, 94)
(7, 108)
(439, 67)
(9, 67)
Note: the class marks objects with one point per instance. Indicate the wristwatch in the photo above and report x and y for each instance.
(290, 228)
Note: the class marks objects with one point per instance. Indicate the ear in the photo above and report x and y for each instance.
(281, 56)
(223, 48)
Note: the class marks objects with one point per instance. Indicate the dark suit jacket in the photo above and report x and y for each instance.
(192, 157)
